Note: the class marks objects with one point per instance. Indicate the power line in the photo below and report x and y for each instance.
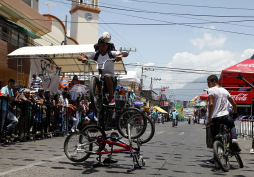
(188, 5)
(185, 24)
(170, 13)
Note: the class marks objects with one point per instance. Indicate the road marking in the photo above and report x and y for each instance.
(160, 132)
(30, 165)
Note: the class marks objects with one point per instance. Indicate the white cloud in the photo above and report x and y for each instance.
(209, 40)
(247, 53)
(216, 60)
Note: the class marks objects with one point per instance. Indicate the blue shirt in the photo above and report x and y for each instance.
(155, 114)
(6, 90)
(174, 115)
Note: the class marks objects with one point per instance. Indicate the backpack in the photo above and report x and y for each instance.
(111, 47)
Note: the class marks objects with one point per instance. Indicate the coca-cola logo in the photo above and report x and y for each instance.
(240, 97)
(245, 65)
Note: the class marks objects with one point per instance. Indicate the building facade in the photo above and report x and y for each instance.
(20, 24)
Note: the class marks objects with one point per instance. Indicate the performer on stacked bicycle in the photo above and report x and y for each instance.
(108, 72)
(218, 113)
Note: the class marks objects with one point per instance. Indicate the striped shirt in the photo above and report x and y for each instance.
(36, 82)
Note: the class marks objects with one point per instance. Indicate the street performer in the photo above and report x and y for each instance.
(108, 72)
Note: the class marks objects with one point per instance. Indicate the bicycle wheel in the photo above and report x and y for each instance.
(95, 93)
(136, 120)
(75, 146)
(239, 159)
(92, 132)
(220, 156)
(149, 132)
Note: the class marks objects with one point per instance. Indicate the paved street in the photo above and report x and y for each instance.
(179, 151)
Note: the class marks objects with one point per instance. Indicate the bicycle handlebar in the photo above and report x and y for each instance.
(101, 65)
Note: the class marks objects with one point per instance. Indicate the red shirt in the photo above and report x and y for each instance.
(74, 82)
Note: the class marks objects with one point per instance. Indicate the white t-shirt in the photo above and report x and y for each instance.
(36, 82)
(159, 116)
(109, 65)
(220, 102)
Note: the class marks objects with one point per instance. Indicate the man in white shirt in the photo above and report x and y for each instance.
(36, 82)
(218, 112)
(108, 72)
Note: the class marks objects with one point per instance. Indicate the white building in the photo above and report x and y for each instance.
(85, 14)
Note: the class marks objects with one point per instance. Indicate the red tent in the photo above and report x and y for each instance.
(228, 75)
(228, 79)
(203, 97)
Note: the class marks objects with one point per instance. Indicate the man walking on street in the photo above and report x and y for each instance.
(155, 116)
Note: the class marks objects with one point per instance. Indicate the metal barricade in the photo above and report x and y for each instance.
(37, 121)
(244, 128)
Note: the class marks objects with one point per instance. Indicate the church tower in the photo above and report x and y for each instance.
(85, 14)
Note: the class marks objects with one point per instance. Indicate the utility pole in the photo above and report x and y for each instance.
(49, 4)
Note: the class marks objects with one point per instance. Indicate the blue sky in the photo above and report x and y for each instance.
(175, 46)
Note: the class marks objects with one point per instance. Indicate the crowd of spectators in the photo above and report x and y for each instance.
(40, 114)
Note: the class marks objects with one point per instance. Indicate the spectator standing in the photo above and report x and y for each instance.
(159, 118)
(57, 106)
(74, 80)
(36, 82)
(91, 115)
(122, 91)
(64, 101)
(6, 97)
(27, 102)
(132, 97)
(40, 110)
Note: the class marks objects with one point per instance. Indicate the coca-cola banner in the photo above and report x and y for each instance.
(165, 103)
(241, 97)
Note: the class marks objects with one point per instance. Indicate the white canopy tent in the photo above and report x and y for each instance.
(130, 80)
(132, 76)
(64, 56)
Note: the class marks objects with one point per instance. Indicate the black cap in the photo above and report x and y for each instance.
(34, 75)
(17, 86)
(46, 91)
(40, 89)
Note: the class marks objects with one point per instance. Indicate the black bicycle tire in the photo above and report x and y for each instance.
(143, 141)
(217, 144)
(66, 147)
(126, 134)
(239, 159)
(91, 91)
(103, 145)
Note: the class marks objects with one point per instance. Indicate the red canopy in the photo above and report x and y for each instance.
(228, 76)
(203, 97)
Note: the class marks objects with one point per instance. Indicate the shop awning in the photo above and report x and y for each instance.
(24, 30)
(64, 56)
(159, 109)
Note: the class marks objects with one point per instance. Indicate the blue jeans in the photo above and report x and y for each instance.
(225, 120)
(11, 118)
